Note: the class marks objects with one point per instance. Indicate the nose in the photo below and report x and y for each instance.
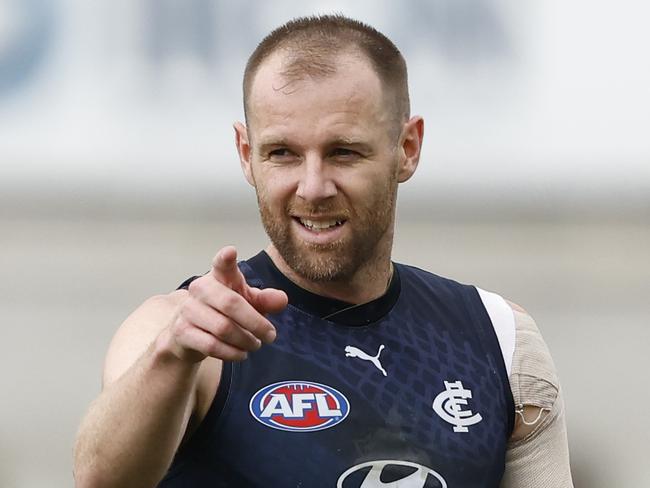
(316, 183)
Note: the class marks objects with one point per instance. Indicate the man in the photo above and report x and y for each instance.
(320, 362)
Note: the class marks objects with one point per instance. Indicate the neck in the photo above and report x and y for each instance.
(368, 283)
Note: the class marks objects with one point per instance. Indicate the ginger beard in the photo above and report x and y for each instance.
(370, 223)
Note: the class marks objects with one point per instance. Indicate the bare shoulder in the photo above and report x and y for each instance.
(138, 331)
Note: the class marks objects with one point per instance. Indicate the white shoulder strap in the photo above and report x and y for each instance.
(503, 321)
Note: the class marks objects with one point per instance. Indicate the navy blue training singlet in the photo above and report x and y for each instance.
(415, 396)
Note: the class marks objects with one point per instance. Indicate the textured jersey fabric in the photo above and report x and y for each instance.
(418, 397)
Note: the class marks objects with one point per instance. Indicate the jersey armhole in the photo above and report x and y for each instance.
(216, 407)
(195, 444)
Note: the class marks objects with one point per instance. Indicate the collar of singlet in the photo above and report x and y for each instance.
(334, 310)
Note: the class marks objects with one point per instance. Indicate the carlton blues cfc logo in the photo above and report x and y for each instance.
(299, 406)
(450, 406)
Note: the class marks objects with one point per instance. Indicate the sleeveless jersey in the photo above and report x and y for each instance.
(419, 398)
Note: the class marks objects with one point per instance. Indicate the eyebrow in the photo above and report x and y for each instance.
(349, 142)
(273, 143)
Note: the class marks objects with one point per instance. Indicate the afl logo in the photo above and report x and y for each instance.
(299, 406)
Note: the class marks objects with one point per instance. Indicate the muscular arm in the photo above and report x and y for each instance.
(538, 454)
(162, 369)
(147, 399)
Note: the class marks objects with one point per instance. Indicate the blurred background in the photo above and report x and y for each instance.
(119, 178)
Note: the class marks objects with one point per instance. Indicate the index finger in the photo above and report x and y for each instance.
(225, 269)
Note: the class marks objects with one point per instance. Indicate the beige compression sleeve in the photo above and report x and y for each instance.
(540, 459)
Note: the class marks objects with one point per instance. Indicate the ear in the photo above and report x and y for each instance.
(244, 150)
(410, 145)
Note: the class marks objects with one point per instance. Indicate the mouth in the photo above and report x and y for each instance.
(319, 225)
(321, 230)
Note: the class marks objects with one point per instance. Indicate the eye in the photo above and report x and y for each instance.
(281, 154)
(344, 153)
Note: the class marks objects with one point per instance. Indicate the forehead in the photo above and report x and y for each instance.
(348, 100)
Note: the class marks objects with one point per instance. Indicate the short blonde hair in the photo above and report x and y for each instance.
(313, 45)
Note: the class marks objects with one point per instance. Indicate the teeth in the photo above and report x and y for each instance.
(319, 224)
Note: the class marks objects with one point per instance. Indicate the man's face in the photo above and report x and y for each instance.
(324, 160)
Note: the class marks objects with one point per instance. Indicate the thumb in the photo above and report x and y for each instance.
(226, 271)
(268, 300)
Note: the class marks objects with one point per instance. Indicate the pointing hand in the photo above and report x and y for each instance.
(223, 316)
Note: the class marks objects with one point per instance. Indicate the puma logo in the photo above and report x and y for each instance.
(355, 352)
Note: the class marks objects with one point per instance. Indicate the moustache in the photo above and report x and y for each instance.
(329, 209)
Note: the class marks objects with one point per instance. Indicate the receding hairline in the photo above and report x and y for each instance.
(289, 76)
(311, 47)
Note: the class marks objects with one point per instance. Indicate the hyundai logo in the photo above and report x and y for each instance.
(390, 474)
